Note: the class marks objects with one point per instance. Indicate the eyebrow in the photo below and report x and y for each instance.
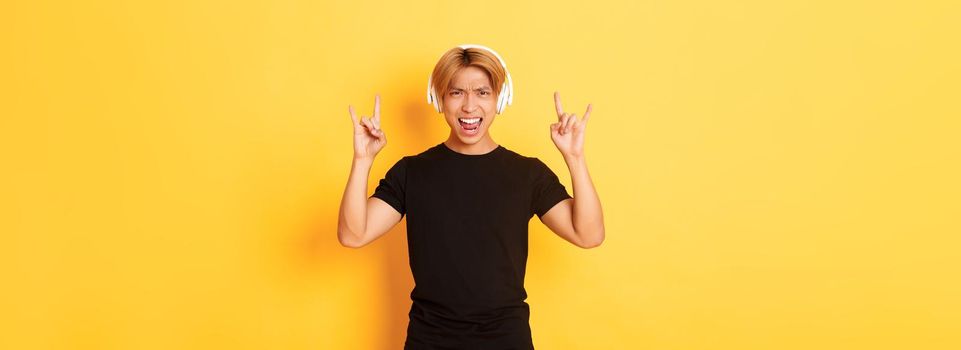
(485, 87)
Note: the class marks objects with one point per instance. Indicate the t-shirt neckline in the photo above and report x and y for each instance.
(448, 150)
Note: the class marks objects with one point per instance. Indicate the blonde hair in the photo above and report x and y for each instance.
(458, 58)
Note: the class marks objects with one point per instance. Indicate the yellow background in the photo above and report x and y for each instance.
(774, 175)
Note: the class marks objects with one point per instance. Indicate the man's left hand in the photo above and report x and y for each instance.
(568, 132)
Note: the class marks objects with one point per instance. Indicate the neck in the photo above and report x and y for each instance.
(484, 146)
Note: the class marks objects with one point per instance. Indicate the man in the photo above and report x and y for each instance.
(468, 202)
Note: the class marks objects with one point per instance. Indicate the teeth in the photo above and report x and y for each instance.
(469, 121)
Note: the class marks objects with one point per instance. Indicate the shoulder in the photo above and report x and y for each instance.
(432, 153)
(532, 166)
(418, 160)
(513, 156)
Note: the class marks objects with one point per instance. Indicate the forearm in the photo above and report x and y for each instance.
(588, 219)
(352, 219)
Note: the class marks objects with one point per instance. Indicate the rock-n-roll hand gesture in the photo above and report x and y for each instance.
(568, 132)
(369, 139)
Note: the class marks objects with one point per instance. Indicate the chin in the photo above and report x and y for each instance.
(470, 140)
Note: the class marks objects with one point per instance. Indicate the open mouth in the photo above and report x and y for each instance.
(470, 125)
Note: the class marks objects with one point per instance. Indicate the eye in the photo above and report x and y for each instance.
(453, 93)
(485, 93)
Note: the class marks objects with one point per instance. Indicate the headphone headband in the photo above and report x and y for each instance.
(504, 98)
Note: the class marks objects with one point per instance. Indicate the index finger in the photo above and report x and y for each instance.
(377, 106)
(557, 104)
(353, 117)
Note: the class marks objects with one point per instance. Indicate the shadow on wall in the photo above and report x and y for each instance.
(416, 127)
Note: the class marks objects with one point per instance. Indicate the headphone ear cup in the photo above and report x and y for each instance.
(509, 84)
(507, 96)
(430, 87)
(431, 96)
(502, 101)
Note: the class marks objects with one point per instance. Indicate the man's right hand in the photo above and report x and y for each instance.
(369, 139)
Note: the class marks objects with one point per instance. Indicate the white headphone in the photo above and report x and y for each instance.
(506, 96)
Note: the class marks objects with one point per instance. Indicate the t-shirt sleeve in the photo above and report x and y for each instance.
(547, 189)
(393, 186)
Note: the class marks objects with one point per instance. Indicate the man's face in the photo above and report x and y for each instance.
(469, 97)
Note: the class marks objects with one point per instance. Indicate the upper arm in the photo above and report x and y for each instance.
(386, 206)
(381, 217)
(560, 219)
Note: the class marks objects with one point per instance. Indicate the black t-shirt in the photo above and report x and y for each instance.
(467, 219)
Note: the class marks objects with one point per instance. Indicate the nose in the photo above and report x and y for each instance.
(470, 103)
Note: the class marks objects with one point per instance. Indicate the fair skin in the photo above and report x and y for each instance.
(578, 220)
(470, 96)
